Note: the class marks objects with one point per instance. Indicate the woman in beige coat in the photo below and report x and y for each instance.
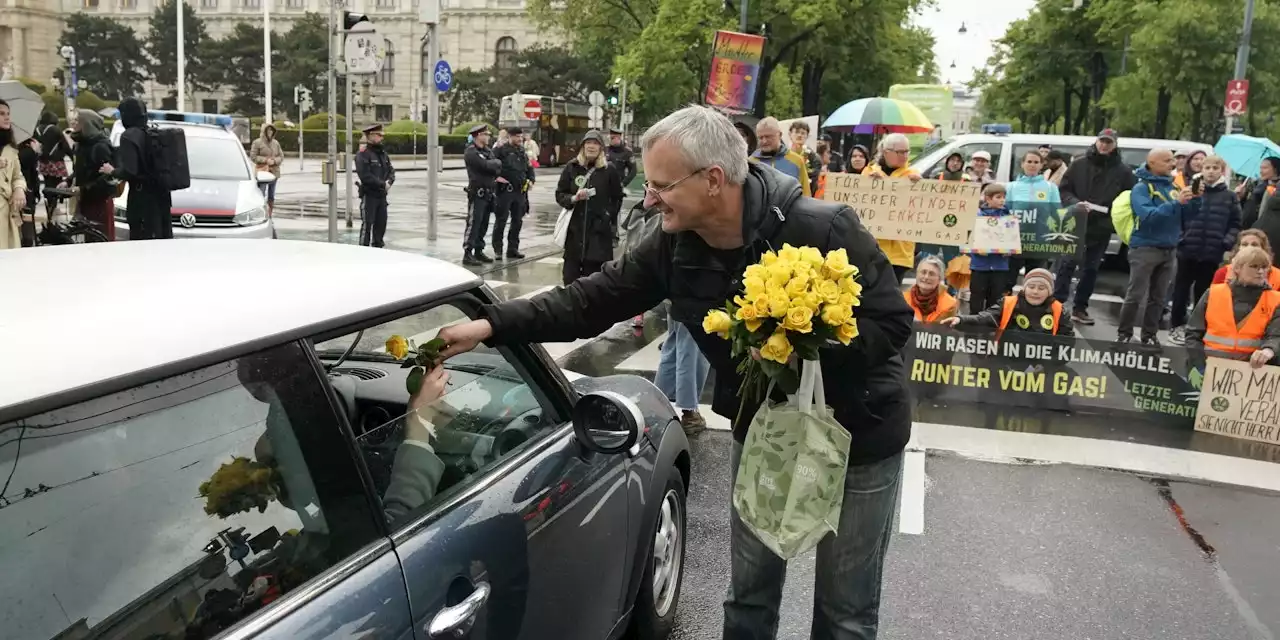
(13, 187)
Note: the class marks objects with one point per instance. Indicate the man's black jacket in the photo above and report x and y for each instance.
(623, 160)
(866, 382)
(482, 168)
(373, 168)
(515, 165)
(1098, 179)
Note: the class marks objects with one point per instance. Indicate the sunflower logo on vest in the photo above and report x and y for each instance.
(1046, 323)
(579, 181)
(1022, 321)
(1042, 195)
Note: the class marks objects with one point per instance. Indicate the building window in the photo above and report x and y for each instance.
(208, 4)
(385, 4)
(297, 4)
(128, 4)
(90, 4)
(505, 54)
(383, 113)
(387, 77)
(252, 4)
(209, 105)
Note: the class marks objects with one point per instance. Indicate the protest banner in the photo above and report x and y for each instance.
(1239, 401)
(1039, 371)
(928, 211)
(995, 235)
(1049, 231)
(735, 71)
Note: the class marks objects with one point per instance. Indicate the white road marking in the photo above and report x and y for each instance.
(911, 507)
(646, 359)
(1017, 447)
(551, 260)
(494, 284)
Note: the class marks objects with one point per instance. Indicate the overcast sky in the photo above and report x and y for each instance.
(985, 21)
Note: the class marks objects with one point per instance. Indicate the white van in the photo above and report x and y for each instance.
(1006, 149)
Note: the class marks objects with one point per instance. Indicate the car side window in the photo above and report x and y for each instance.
(1019, 151)
(177, 508)
(420, 448)
(967, 150)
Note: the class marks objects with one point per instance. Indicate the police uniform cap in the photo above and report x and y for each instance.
(478, 129)
(375, 128)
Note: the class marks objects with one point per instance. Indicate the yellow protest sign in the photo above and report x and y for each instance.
(928, 211)
(1239, 401)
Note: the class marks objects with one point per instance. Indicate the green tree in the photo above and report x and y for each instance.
(303, 60)
(239, 68)
(109, 56)
(554, 71)
(474, 95)
(162, 47)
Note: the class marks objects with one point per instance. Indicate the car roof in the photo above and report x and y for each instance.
(86, 314)
(1039, 139)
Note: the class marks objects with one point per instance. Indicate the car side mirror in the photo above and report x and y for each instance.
(265, 177)
(607, 422)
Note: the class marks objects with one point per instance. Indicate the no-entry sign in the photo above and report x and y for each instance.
(1237, 99)
(532, 110)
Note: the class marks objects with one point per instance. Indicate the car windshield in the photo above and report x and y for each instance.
(216, 159)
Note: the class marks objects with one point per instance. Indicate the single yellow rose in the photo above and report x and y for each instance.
(811, 256)
(755, 271)
(753, 285)
(847, 331)
(811, 300)
(798, 319)
(837, 265)
(762, 304)
(768, 258)
(789, 253)
(753, 325)
(829, 291)
(777, 348)
(779, 302)
(798, 286)
(780, 274)
(718, 322)
(852, 287)
(398, 347)
(836, 314)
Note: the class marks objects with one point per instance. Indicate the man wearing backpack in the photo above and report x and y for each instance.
(1158, 211)
(1091, 182)
(149, 205)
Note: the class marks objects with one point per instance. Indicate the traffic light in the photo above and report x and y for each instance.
(351, 19)
(613, 95)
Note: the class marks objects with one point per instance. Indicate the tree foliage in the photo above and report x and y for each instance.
(1154, 68)
(162, 47)
(819, 54)
(109, 56)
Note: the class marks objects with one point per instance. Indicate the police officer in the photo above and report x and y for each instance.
(622, 160)
(518, 174)
(482, 181)
(373, 167)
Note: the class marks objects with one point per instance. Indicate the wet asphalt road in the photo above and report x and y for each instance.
(1017, 551)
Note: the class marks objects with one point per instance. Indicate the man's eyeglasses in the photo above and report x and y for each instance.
(899, 150)
(656, 194)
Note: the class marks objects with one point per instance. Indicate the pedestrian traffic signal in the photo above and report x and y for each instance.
(613, 96)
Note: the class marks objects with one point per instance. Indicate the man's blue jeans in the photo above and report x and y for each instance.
(846, 594)
(682, 370)
(1094, 252)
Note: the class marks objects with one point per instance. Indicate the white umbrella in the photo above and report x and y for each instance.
(24, 107)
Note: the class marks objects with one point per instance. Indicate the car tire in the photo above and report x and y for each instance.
(654, 613)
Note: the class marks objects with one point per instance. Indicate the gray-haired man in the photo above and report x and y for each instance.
(719, 214)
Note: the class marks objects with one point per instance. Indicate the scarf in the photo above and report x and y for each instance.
(926, 303)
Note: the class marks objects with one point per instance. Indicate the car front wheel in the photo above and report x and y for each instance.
(654, 613)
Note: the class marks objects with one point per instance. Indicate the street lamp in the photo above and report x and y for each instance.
(963, 29)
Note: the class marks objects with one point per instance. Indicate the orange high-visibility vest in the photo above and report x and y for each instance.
(1223, 337)
(947, 306)
(1273, 279)
(1010, 302)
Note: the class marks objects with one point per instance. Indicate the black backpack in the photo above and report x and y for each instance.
(166, 161)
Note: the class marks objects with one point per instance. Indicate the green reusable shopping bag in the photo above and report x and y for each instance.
(790, 483)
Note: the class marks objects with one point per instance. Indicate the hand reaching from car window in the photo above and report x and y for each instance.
(421, 424)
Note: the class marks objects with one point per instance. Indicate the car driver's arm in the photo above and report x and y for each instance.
(416, 472)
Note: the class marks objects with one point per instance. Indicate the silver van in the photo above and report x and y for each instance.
(1005, 149)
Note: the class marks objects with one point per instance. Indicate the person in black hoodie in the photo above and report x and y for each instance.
(1092, 182)
(720, 213)
(149, 206)
(1208, 233)
(29, 161)
(96, 189)
(54, 149)
(1262, 212)
(589, 188)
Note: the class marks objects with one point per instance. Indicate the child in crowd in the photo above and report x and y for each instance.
(1207, 234)
(1250, 238)
(990, 273)
(1240, 319)
(1032, 310)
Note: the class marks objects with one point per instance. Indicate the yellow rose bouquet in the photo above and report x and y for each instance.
(790, 482)
(793, 302)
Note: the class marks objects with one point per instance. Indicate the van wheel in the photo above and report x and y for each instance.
(654, 613)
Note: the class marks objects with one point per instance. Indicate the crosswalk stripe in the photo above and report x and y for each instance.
(551, 260)
(646, 359)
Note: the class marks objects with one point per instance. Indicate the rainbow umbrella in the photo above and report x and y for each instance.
(878, 115)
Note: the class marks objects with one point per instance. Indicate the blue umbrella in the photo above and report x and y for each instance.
(1244, 153)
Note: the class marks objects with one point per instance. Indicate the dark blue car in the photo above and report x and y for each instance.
(238, 461)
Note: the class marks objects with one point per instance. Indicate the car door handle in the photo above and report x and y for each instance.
(456, 621)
